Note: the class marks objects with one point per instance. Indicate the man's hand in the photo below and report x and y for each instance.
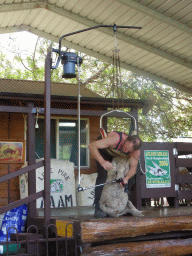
(107, 165)
(124, 182)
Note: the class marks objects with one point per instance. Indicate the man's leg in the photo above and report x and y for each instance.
(101, 178)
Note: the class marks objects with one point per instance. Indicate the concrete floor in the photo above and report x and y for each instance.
(167, 211)
(78, 211)
(88, 212)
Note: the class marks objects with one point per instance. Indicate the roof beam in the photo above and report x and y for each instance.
(101, 57)
(22, 6)
(89, 23)
(120, 36)
(130, 3)
(156, 15)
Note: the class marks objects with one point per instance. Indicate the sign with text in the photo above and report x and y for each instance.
(157, 168)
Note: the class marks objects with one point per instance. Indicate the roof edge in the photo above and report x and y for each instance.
(146, 105)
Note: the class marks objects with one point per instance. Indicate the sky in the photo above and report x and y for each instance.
(22, 41)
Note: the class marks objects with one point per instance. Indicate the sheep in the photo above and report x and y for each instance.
(114, 201)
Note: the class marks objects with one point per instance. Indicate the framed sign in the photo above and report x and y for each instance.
(11, 152)
(157, 168)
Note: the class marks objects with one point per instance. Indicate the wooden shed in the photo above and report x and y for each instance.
(14, 124)
(22, 110)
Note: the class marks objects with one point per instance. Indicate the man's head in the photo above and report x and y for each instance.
(132, 143)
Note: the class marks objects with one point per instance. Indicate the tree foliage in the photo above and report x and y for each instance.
(169, 118)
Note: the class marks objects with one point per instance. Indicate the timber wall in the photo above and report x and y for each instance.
(12, 129)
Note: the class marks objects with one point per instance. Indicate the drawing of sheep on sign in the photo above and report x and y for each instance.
(56, 185)
(114, 200)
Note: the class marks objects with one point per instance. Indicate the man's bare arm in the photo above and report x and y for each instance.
(133, 162)
(110, 141)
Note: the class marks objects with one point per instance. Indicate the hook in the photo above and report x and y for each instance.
(115, 30)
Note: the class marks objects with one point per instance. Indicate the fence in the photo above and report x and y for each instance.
(173, 189)
(41, 242)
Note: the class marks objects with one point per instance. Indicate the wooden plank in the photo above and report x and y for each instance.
(4, 126)
(3, 193)
(21, 171)
(183, 162)
(4, 186)
(184, 194)
(176, 247)
(3, 201)
(22, 201)
(184, 178)
(184, 148)
(114, 228)
(87, 113)
(16, 127)
(15, 109)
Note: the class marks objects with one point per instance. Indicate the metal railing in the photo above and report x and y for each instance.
(33, 242)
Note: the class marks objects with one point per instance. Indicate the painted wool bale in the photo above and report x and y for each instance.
(87, 197)
(62, 184)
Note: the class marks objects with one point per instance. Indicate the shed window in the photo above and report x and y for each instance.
(64, 140)
(39, 138)
(68, 141)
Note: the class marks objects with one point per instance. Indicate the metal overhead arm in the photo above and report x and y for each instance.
(84, 30)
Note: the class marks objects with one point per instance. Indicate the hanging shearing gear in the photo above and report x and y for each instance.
(116, 71)
(116, 76)
(106, 183)
(115, 87)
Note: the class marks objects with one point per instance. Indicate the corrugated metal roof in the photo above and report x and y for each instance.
(34, 90)
(161, 50)
(37, 87)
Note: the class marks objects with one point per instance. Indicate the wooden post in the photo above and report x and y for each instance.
(31, 160)
(47, 137)
(134, 185)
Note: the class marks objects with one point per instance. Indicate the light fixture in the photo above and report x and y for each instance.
(36, 123)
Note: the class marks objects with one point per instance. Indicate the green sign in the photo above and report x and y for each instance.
(157, 168)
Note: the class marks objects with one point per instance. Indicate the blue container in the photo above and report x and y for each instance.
(69, 59)
(14, 220)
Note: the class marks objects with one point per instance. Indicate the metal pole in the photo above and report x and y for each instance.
(47, 144)
(79, 123)
(31, 160)
(98, 26)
